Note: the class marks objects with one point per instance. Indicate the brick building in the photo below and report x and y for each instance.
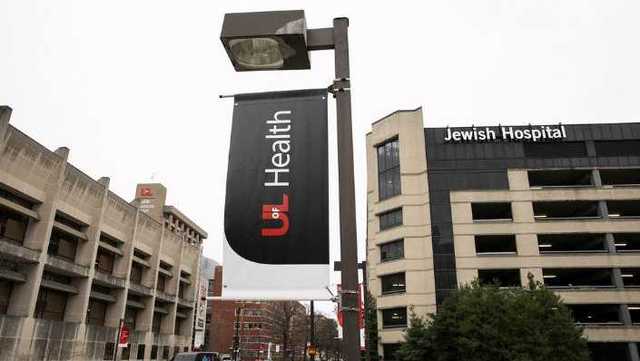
(257, 332)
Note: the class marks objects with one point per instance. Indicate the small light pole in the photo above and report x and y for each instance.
(279, 40)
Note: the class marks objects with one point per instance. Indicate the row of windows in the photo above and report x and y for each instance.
(560, 243)
(388, 156)
(551, 210)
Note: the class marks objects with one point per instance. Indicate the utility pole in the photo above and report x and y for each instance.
(312, 332)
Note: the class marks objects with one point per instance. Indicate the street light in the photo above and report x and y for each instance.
(279, 40)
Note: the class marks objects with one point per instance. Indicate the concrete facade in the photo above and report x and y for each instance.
(428, 162)
(75, 259)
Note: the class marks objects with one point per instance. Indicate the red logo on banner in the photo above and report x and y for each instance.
(276, 212)
(123, 339)
(146, 192)
(360, 308)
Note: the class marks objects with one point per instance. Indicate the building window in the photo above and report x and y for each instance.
(394, 283)
(104, 262)
(136, 273)
(156, 323)
(388, 169)
(61, 245)
(5, 295)
(154, 352)
(627, 242)
(109, 349)
(392, 251)
(390, 219)
(140, 355)
(394, 317)
(165, 353)
(162, 280)
(50, 305)
(491, 211)
(130, 315)
(96, 312)
(553, 210)
(12, 226)
(389, 351)
(492, 244)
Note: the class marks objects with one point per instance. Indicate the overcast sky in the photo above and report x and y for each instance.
(132, 86)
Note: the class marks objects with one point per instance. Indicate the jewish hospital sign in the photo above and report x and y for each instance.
(534, 133)
(277, 200)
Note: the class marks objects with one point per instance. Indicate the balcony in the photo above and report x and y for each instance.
(16, 250)
(140, 289)
(165, 296)
(108, 279)
(185, 302)
(66, 266)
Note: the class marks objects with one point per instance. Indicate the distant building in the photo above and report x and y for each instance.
(75, 259)
(255, 333)
(203, 314)
(560, 202)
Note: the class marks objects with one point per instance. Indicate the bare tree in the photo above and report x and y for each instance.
(288, 327)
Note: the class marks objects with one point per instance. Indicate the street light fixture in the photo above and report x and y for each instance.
(274, 40)
(279, 40)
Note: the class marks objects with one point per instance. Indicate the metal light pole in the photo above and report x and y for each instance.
(263, 41)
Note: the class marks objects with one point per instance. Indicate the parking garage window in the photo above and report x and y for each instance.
(620, 177)
(560, 178)
(596, 314)
(498, 211)
(630, 277)
(557, 210)
(608, 351)
(394, 317)
(572, 242)
(495, 244)
(618, 148)
(393, 283)
(627, 242)
(500, 277)
(555, 150)
(624, 209)
(578, 277)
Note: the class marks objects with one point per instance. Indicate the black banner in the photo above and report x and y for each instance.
(277, 199)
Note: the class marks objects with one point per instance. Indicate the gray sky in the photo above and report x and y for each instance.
(132, 86)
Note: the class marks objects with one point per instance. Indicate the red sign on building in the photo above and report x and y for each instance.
(123, 339)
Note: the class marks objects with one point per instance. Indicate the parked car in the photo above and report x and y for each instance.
(196, 356)
(225, 357)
